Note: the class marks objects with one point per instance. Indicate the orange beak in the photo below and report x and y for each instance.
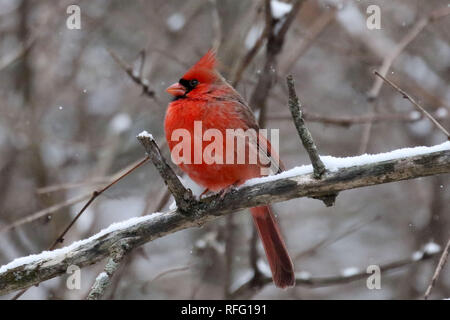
(176, 89)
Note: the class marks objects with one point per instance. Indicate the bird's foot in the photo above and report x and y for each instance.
(227, 190)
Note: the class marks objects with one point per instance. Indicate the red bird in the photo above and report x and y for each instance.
(202, 94)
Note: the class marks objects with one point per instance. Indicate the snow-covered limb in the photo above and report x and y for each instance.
(145, 134)
(348, 173)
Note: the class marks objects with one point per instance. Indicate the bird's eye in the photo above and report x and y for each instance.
(193, 83)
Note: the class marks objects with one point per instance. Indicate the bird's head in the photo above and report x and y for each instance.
(199, 77)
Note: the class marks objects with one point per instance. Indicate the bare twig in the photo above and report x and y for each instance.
(251, 53)
(367, 129)
(138, 79)
(183, 197)
(415, 103)
(12, 58)
(347, 121)
(103, 281)
(95, 194)
(229, 234)
(245, 62)
(66, 203)
(169, 271)
(245, 291)
(333, 238)
(303, 132)
(388, 60)
(68, 186)
(275, 41)
(289, 19)
(253, 259)
(142, 58)
(404, 42)
(301, 47)
(438, 270)
(45, 212)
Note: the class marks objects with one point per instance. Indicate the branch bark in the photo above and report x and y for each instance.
(303, 132)
(33, 270)
(183, 197)
(103, 280)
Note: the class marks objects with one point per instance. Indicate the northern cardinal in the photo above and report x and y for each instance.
(202, 94)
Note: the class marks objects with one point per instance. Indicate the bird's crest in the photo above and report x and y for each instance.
(204, 70)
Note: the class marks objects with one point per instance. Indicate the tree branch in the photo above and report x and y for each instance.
(28, 271)
(183, 197)
(303, 132)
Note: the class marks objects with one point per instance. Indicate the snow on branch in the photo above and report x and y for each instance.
(342, 174)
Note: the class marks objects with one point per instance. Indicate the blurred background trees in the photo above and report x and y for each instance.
(69, 115)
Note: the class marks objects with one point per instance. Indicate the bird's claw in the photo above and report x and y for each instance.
(227, 190)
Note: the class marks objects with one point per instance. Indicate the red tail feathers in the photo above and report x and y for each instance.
(279, 261)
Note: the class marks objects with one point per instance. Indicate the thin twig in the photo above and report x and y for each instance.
(367, 130)
(407, 96)
(290, 18)
(45, 212)
(54, 208)
(388, 60)
(138, 79)
(95, 194)
(333, 238)
(229, 234)
(303, 132)
(142, 58)
(103, 281)
(68, 186)
(347, 121)
(9, 60)
(251, 53)
(301, 47)
(183, 197)
(245, 291)
(404, 42)
(275, 41)
(168, 271)
(253, 258)
(438, 270)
